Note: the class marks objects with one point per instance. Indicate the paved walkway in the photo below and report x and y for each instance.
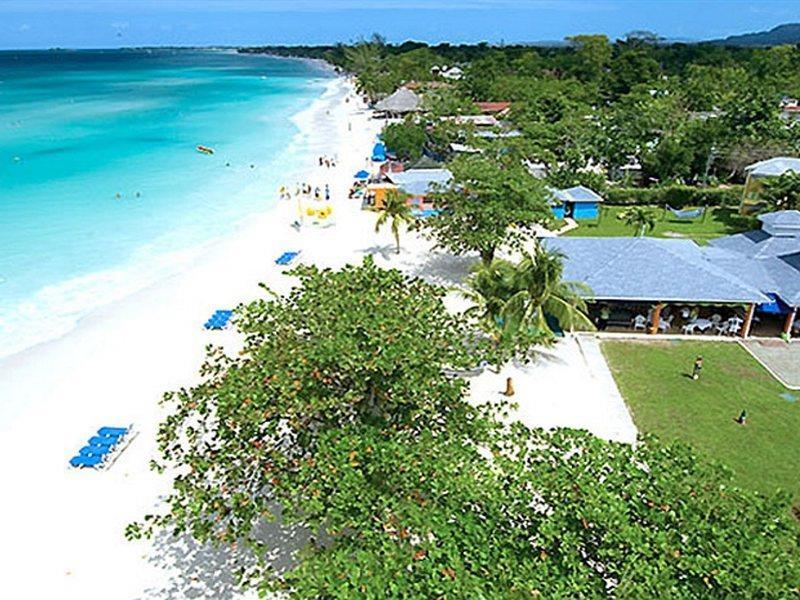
(569, 386)
(780, 358)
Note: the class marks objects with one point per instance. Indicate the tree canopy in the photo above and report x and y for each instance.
(489, 205)
(339, 416)
(683, 111)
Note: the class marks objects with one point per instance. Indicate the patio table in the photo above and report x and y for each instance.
(702, 324)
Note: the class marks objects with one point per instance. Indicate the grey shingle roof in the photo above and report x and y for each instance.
(782, 218)
(578, 193)
(757, 244)
(768, 258)
(419, 181)
(777, 275)
(650, 269)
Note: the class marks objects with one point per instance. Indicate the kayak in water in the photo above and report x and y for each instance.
(205, 149)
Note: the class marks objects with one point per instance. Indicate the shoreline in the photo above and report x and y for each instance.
(162, 266)
(115, 366)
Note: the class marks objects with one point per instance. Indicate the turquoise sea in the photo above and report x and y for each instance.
(102, 190)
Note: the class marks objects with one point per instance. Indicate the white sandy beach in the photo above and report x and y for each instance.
(63, 529)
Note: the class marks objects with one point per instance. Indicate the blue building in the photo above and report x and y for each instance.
(579, 203)
(756, 271)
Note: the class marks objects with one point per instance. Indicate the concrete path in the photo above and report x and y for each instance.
(780, 358)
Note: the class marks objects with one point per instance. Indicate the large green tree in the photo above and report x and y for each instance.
(490, 204)
(406, 140)
(337, 412)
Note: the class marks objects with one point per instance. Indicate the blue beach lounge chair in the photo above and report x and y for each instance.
(219, 320)
(103, 440)
(94, 451)
(86, 461)
(286, 258)
(118, 431)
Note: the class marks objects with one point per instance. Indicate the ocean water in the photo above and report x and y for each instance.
(102, 191)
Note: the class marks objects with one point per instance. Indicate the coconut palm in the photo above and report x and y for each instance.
(541, 291)
(489, 288)
(641, 217)
(395, 211)
(512, 302)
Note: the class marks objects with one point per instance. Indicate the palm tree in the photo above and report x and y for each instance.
(541, 291)
(512, 302)
(641, 217)
(489, 288)
(396, 210)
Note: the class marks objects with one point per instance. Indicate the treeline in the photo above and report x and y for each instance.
(686, 113)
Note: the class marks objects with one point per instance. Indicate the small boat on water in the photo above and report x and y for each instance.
(205, 149)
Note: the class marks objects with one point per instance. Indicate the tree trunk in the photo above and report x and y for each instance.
(509, 387)
(397, 240)
(487, 256)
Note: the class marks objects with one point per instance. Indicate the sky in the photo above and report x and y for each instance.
(115, 23)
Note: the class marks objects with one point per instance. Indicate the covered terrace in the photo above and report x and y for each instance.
(658, 286)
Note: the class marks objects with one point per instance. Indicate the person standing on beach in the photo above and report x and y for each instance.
(327, 192)
(698, 366)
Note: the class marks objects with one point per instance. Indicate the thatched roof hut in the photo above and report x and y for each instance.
(401, 102)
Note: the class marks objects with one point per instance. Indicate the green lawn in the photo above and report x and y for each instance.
(716, 223)
(653, 379)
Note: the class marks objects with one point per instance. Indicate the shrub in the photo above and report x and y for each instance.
(676, 196)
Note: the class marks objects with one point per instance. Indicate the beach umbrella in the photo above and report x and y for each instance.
(362, 175)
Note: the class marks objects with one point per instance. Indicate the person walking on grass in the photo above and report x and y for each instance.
(742, 420)
(698, 366)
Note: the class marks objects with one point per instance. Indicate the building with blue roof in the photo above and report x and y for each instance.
(758, 271)
(416, 183)
(768, 257)
(579, 203)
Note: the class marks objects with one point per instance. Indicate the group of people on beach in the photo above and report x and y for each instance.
(305, 189)
(327, 162)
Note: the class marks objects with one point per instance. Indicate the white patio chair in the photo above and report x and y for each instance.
(665, 324)
(722, 328)
(688, 328)
(716, 318)
(639, 322)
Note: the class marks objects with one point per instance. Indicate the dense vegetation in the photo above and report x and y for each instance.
(686, 113)
(339, 417)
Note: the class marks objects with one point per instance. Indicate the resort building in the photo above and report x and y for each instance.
(768, 258)
(399, 104)
(657, 285)
(758, 172)
(577, 203)
(417, 183)
(493, 108)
